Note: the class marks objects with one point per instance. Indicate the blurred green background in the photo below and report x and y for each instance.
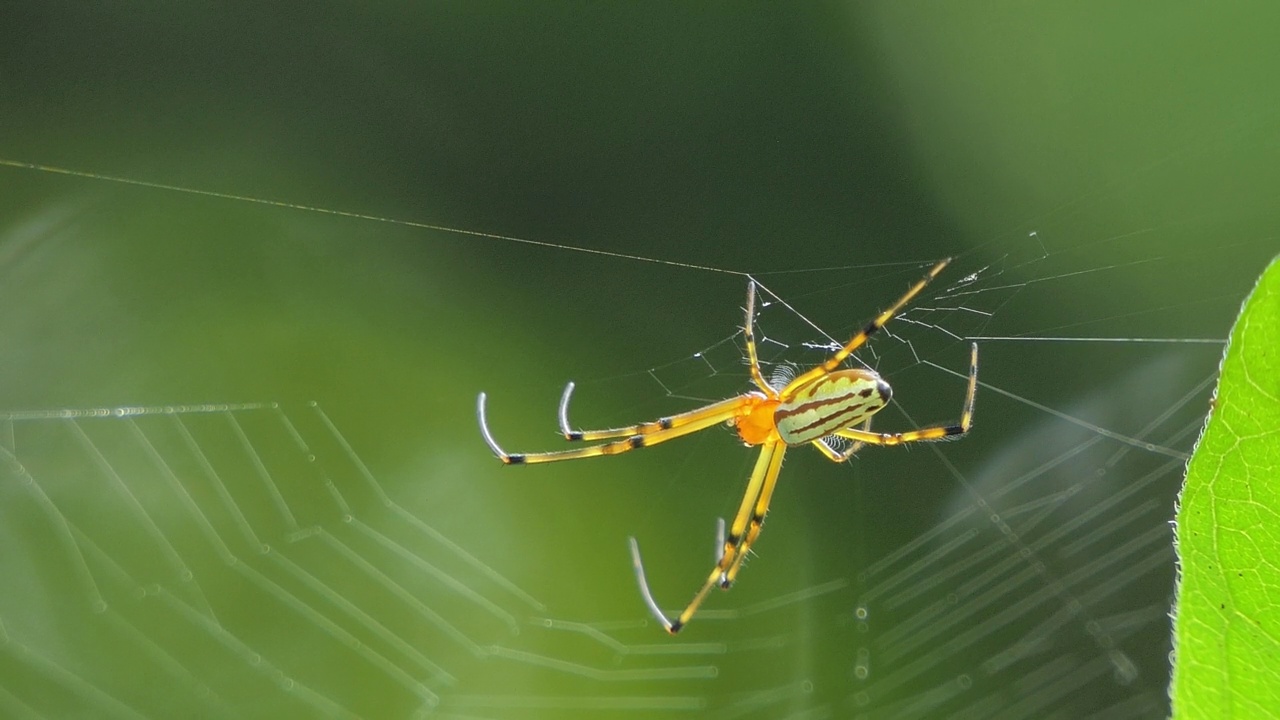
(1107, 172)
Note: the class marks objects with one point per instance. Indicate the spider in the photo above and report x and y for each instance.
(826, 400)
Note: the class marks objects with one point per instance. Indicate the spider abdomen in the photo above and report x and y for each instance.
(842, 399)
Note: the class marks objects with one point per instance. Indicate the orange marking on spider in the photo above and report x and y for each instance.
(823, 401)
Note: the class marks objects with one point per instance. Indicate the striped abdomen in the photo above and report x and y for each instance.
(842, 399)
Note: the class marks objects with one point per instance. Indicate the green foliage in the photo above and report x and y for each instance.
(1227, 628)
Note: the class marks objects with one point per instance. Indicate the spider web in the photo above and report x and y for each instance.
(328, 536)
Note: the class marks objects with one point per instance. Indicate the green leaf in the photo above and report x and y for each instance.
(1227, 624)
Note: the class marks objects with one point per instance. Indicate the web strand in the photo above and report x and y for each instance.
(53, 170)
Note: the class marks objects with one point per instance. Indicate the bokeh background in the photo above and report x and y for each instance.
(297, 517)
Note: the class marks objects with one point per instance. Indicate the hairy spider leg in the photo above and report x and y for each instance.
(645, 428)
(756, 521)
(749, 334)
(705, 418)
(763, 475)
(832, 363)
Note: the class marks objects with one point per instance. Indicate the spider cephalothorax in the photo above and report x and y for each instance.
(824, 401)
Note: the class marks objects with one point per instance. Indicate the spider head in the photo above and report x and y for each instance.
(755, 424)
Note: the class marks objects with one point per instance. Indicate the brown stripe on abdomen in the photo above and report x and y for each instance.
(825, 425)
(813, 420)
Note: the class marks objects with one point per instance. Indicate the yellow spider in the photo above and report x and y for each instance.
(824, 401)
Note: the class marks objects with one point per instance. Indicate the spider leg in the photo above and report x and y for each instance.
(749, 334)
(705, 417)
(833, 362)
(645, 428)
(928, 434)
(745, 525)
(638, 566)
(756, 523)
